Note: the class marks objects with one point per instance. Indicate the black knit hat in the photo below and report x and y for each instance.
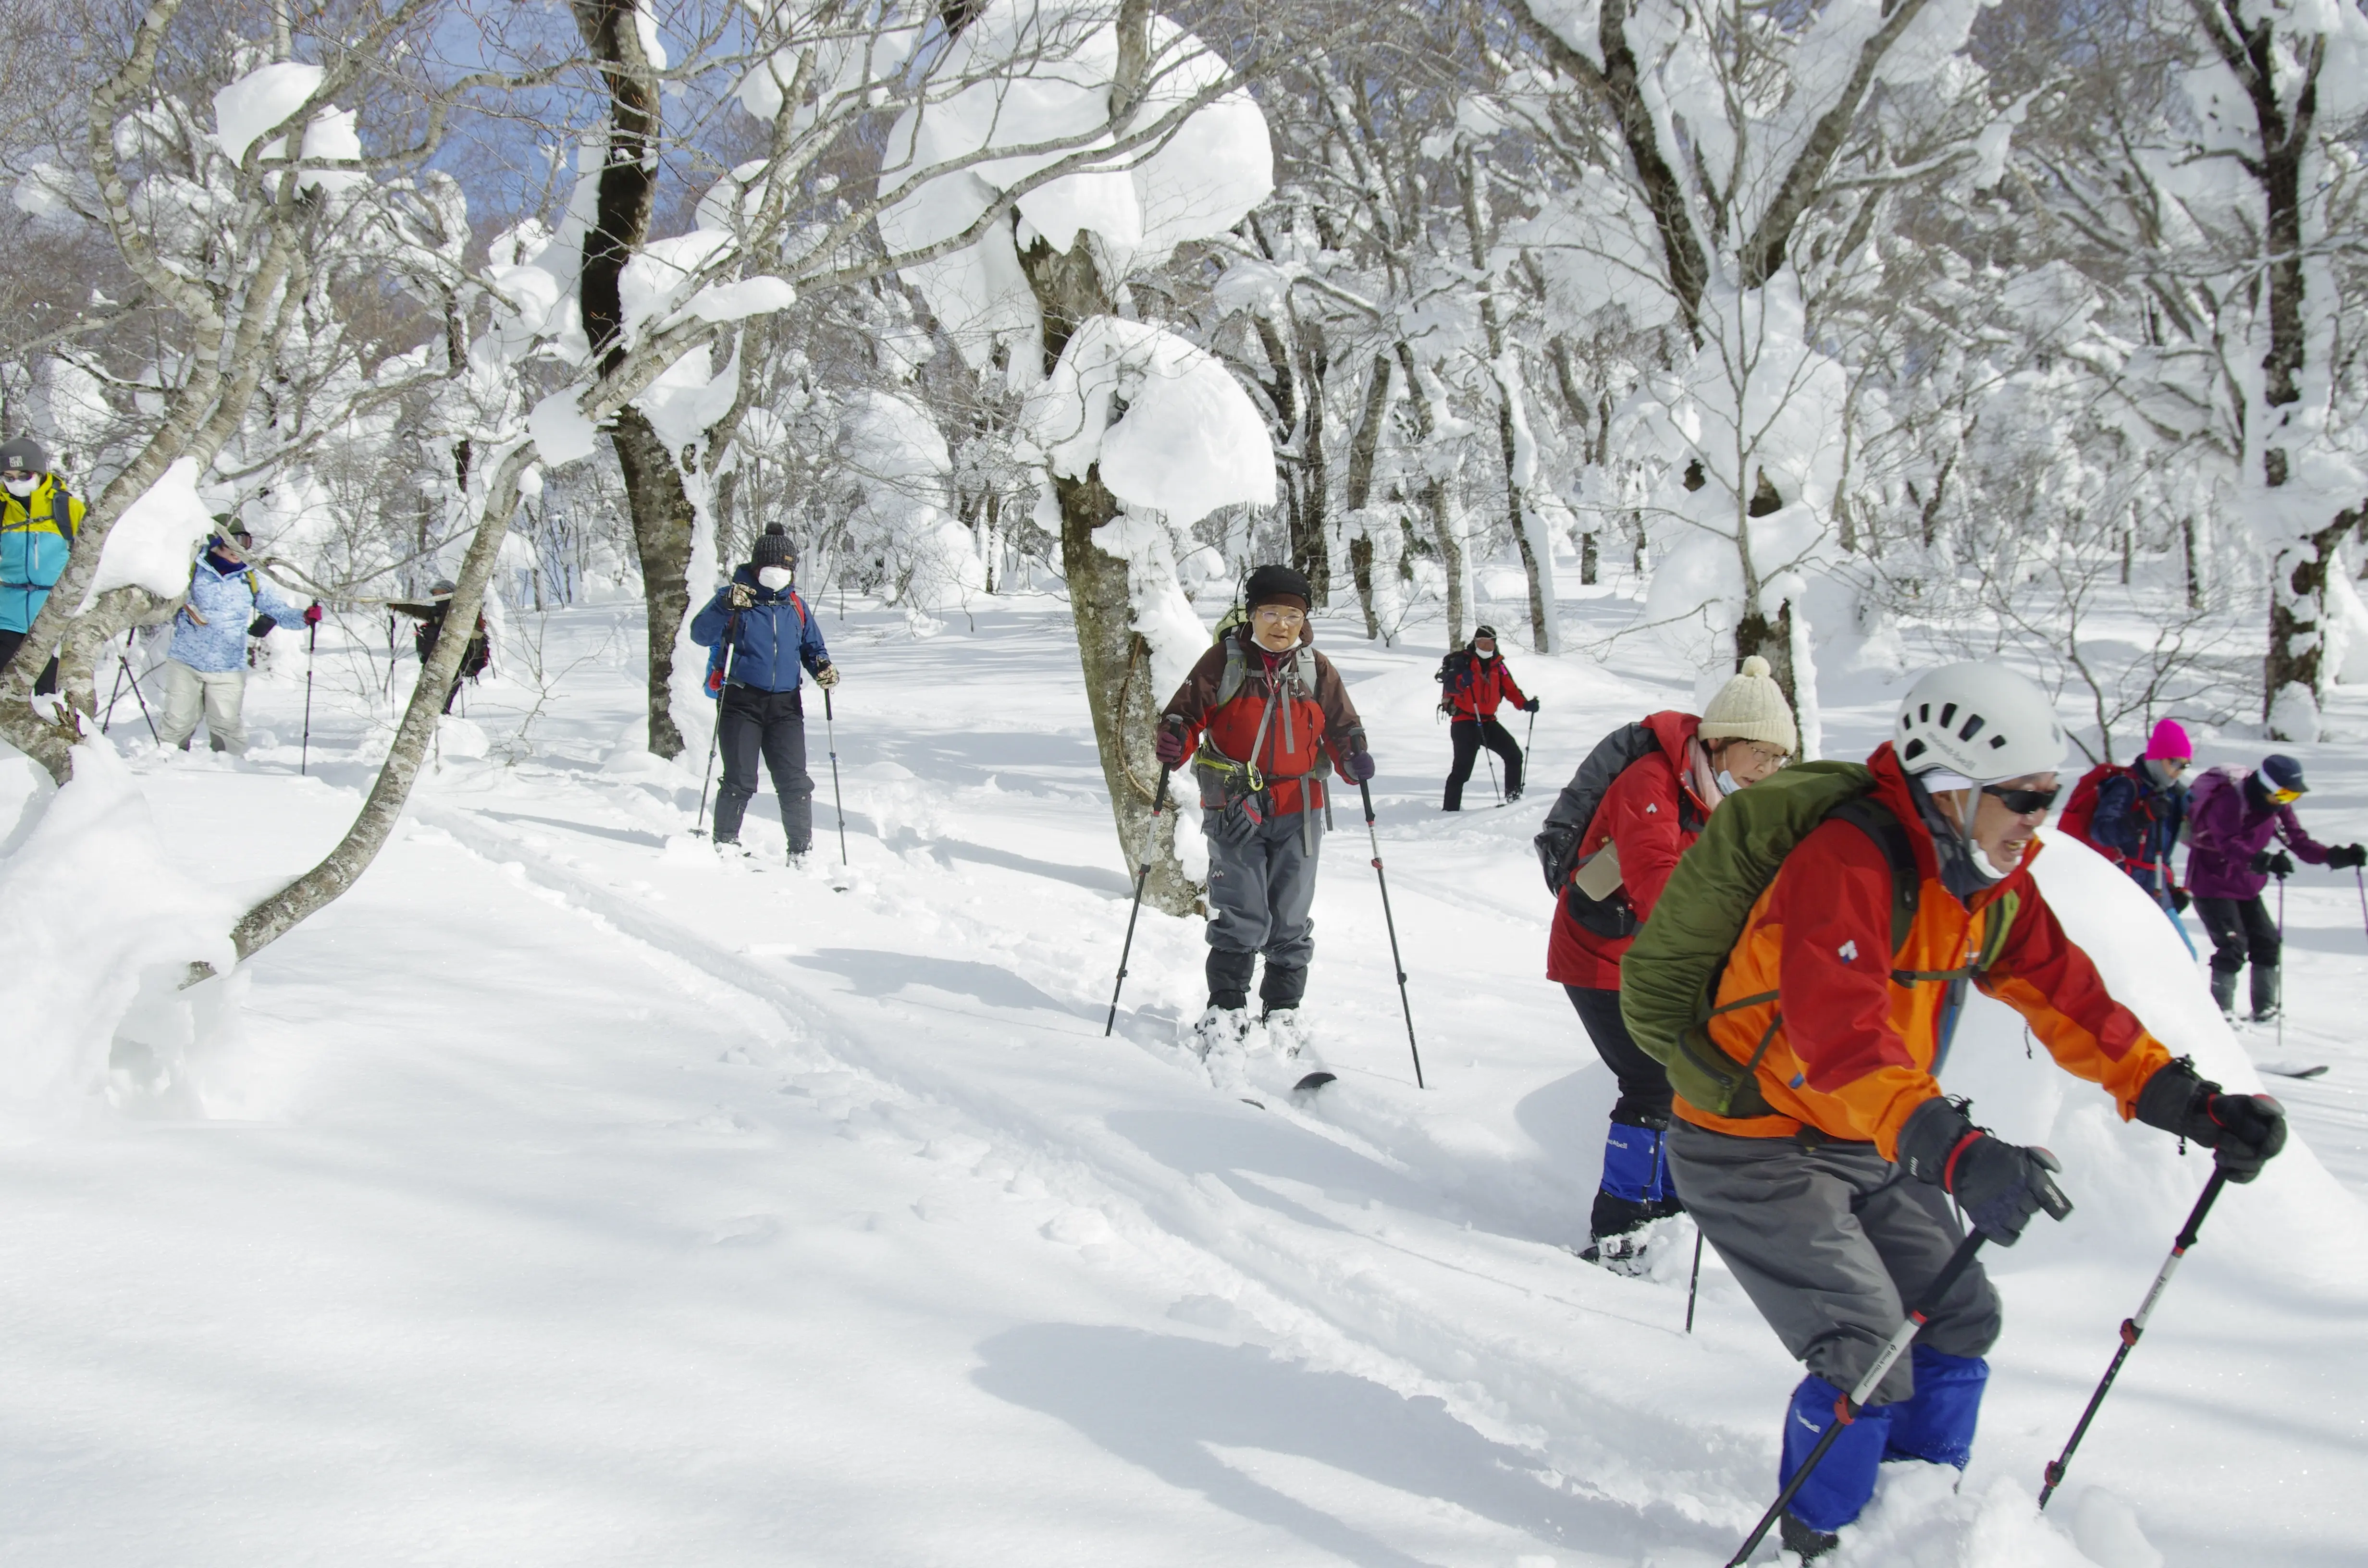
(1278, 584)
(773, 549)
(1480, 631)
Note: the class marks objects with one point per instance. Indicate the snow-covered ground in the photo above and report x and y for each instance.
(560, 1196)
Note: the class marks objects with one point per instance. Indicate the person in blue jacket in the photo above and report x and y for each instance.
(762, 637)
(205, 667)
(38, 521)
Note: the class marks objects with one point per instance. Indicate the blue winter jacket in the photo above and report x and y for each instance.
(2141, 819)
(34, 544)
(765, 644)
(227, 598)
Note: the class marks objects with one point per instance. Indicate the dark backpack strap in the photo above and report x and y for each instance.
(1890, 836)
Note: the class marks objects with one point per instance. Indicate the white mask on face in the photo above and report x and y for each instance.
(1727, 784)
(774, 577)
(21, 488)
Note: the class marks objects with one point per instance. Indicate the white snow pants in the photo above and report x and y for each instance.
(222, 696)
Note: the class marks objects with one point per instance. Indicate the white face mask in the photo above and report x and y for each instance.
(21, 488)
(1727, 784)
(774, 577)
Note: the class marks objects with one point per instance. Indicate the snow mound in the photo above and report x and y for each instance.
(95, 914)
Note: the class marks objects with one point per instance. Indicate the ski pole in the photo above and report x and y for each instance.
(1693, 1281)
(715, 735)
(312, 647)
(2279, 1001)
(2133, 1326)
(2361, 881)
(112, 698)
(1397, 963)
(1845, 1409)
(830, 734)
(1142, 880)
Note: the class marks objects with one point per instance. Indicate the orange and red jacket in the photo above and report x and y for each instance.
(1851, 1052)
(1305, 727)
(1653, 814)
(1487, 683)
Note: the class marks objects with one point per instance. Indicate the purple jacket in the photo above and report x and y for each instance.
(2227, 829)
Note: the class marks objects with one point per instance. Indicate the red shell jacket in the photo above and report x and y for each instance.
(1310, 722)
(1484, 684)
(1849, 1051)
(1640, 814)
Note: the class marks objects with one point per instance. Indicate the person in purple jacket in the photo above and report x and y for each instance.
(2232, 814)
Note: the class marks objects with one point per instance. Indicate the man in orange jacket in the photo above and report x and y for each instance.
(1834, 1210)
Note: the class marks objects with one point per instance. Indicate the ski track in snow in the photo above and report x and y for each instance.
(1351, 1323)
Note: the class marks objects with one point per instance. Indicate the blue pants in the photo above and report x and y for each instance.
(1935, 1423)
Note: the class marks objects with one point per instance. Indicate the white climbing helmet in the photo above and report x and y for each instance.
(1979, 720)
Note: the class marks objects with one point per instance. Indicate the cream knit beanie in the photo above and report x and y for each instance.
(1751, 706)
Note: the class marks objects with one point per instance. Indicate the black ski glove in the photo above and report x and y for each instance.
(2274, 862)
(1531, 706)
(2347, 857)
(2243, 1131)
(1999, 1185)
(261, 626)
(2179, 900)
(1237, 823)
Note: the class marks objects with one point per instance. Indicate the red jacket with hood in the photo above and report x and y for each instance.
(1486, 682)
(1642, 813)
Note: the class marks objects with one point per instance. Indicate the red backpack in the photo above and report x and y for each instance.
(2081, 809)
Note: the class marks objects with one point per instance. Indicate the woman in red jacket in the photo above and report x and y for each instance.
(1475, 681)
(1648, 816)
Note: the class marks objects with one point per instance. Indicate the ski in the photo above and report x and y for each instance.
(1315, 1081)
(2293, 1070)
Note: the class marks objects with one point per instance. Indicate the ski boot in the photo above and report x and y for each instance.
(1291, 1040)
(2224, 994)
(1628, 1254)
(1220, 1031)
(2265, 994)
(1806, 1541)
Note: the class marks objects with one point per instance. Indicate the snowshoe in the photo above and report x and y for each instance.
(1806, 1541)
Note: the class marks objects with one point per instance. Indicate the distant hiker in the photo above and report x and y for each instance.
(1813, 1144)
(475, 659)
(1634, 806)
(762, 639)
(205, 668)
(2233, 814)
(38, 522)
(2132, 815)
(1265, 709)
(1473, 680)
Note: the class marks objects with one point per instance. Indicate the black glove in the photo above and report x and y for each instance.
(2243, 1131)
(2179, 900)
(1531, 706)
(2274, 862)
(1999, 1185)
(1237, 823)
(2347, 857)
(741, 595)
(261, 626)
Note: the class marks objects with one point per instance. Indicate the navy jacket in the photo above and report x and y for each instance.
(765, 644)
(2141, 819)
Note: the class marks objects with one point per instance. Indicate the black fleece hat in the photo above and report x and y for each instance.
(773, 549)
(1278, 586)
(1480, 631)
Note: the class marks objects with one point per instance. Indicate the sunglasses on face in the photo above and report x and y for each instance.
(2022, 803)
(2284, 797)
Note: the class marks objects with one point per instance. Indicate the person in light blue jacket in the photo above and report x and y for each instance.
(205, 670)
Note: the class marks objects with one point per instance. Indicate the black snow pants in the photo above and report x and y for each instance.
(771, 724)
(2241, 931)
(1469, 736)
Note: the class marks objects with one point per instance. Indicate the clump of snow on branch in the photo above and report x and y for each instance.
(1189, 440)
(151, 544)
(1045, 74)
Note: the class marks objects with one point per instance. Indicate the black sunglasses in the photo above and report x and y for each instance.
(2022, 803)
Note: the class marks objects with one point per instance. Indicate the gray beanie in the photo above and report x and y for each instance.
(26, 453)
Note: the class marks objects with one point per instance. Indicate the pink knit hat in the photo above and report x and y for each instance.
(2170, 743)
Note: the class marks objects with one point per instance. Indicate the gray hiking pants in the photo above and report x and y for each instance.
(1260, 892)
(1831, 1243)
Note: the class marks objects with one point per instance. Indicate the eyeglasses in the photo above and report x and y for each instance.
(1275, 615)
(1767, 755)
(2022, 803)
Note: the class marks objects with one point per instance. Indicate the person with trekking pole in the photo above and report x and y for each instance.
(1474, 682)
(763, 642)
(2233, 814)
(1800, 978)
(1256, 718)
(1614, 834)
(2133, 817)
(40, 520)
(205, 667)
(311, 653)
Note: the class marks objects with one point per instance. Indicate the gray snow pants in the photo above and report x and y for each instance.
(1831, 1242)
(1259, 896)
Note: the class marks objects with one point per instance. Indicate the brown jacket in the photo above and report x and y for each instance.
(1297, 734)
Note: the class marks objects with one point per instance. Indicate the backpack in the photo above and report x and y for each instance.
(2081, 809)
(1574, 810)
(1668, 982)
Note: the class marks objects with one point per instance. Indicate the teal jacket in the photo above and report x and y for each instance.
(34, 544)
